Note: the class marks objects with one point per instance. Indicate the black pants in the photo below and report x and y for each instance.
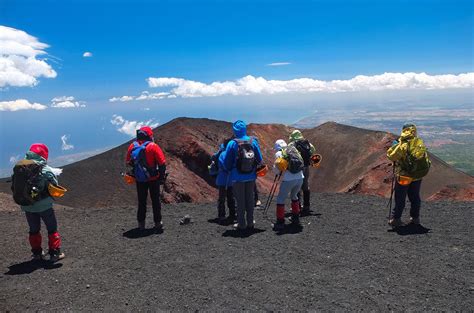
(223, 195)
(142, 191)
(255, 193)
(243, 192)
(306, 192)
(48, 217)
(413, 192)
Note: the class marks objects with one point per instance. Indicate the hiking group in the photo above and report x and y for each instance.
(236, 166)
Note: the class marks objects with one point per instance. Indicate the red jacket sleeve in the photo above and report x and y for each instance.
(158, 155)
(129, 154)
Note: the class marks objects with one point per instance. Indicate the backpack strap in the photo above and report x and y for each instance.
(136, 144)
(250, 140)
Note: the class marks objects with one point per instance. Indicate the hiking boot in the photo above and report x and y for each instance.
(395, 222)
(251, 226)
(295, 220)
(221, 220)
(141, 225)
(56, 255)
(305, 211)
(414, 221)
(279, 225)
(236, 226)
(158, 227)
(37, 256)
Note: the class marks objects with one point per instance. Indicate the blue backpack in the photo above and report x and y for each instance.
(141, 170)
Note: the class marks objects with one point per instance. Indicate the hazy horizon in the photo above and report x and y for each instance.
(81, 87)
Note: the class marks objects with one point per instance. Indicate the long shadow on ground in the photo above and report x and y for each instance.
(410, 229)
(226, 222)
(290, 230)
(136, 233)
(30, 266)
(238, 233)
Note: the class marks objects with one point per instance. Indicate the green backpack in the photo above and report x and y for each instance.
(294, 158)
(417, 163)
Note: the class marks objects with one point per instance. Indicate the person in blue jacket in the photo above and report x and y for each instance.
(224, 185)
(241, 158)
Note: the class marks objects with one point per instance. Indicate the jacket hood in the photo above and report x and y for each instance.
(145, 133)
(296, 135)
(240, 129)
(409, 131)
(280, 144)
(40, 149)
(30, 155)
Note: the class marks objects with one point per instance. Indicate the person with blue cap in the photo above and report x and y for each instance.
(242, 156)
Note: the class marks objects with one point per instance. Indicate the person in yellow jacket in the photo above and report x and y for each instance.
(411, 163)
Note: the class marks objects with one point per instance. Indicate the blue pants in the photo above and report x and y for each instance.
(413, 192)
(291, 187)
(48, 217)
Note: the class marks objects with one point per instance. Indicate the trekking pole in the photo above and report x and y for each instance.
(392, 189)
(272, 193)
(271, 190)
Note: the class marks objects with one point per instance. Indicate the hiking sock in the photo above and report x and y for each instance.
(54, 241)
(295, 207)
(35, 243)
(280, 212)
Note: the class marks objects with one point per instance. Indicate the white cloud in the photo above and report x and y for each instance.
(145, 95)
(250, 85)
(66, 102)
(63, 98)
(279, 64)
(65, 146)
(20, 65)
(117, 120)
(87, 54)
(121, 99)
(152, 96)
(20, 104)
(130, 127)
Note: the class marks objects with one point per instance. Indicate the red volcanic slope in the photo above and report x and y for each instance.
(353, 162)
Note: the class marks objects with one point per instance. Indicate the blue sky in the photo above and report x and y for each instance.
(217, 41)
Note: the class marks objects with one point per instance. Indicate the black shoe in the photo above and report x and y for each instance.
(56, 255)
(295, 220)
(158, 227)
(37, 255)
(279, 225)
(305, 211)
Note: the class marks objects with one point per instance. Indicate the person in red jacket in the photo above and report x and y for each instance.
(149, 168)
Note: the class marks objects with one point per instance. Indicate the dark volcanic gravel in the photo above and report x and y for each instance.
(343, 259)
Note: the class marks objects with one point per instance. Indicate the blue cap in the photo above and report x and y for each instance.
(240, 129)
